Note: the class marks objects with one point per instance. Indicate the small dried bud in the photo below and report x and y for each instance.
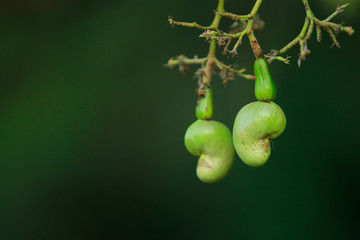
(258, 23)
(171, 21)
(233, 53)
(183, 68)
(349, 30)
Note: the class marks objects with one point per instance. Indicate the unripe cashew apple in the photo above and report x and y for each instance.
(254, 126)
(212, 141)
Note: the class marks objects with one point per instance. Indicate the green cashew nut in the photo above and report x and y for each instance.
(265, 89)
(212, 141)
(254, 126)
(204, 109)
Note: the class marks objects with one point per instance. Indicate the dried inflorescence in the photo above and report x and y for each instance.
(306, 32)
(244, 25)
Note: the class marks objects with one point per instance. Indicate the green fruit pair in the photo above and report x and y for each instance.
(254, 126)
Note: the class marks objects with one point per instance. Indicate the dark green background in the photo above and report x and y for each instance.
(92, 126)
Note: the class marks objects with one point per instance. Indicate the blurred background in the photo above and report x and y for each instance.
(92, 126)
